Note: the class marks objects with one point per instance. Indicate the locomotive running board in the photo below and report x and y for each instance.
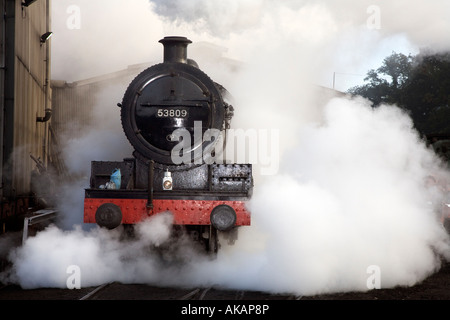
(173, 195)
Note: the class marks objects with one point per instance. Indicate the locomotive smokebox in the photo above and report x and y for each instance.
(175, 49)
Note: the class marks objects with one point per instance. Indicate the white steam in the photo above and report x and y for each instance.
(101, 256)
(352, 195)
(317, 226)
(350, 190)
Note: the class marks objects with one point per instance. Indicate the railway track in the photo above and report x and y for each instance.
(91, 294)
(120, 291)
(433, 288)
(112, 291)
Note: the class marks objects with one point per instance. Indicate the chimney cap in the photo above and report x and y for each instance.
(175, 49)
(175, 39)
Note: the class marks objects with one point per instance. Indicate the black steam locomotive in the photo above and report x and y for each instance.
(176, 119)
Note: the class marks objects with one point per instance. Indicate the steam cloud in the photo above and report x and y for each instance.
(350, 190)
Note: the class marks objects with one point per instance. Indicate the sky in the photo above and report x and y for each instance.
(345, 38)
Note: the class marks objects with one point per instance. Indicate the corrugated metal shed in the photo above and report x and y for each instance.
(74, 103)
(25, 95)
(31, 97)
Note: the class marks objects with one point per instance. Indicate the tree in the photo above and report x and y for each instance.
(387, 81)
(419, 84)
(427, 94)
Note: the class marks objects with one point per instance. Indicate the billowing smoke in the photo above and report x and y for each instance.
(100, 255)
(349, 196)
(318, 226)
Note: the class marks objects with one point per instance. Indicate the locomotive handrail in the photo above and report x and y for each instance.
(38, 217)
(150, 185)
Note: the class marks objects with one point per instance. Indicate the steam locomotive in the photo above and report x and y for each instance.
(176, 119)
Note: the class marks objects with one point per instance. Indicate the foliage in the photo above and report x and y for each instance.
(419, 84)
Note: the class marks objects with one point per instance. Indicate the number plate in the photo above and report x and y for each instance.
(171, 113)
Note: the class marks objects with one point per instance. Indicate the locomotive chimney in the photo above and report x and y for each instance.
(175, 49)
